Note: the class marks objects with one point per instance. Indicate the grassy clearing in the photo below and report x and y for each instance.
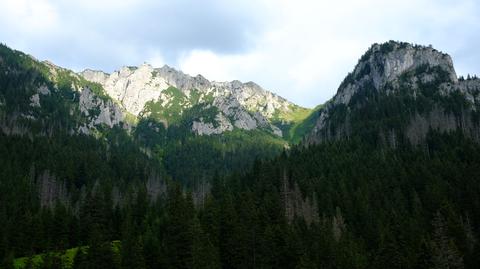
(305, 123)
(66, 256)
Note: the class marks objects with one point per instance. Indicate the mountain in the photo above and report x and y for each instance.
(165, 94)
(397, 93)
(152, 168)
(387, 178)
(172, 118)
(40, 98)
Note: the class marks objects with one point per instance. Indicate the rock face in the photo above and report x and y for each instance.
(89, 101)
(385, 63)
(99, 111)
(207, 128)
(131, 87)
(400, 73)
(35, 98)
(182, 81)
(239, 105)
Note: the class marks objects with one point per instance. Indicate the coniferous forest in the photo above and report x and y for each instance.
(373, 208)
(162, 197)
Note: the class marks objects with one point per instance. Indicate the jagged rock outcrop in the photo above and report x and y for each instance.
(99, 111)
(35, 98)
(57, 99)
(221, 125)
(240, 105)
(182, 81)
(385, 63)
(131, 87)
(54, 99)
(420, 81)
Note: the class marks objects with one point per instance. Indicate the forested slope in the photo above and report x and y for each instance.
(388, 178)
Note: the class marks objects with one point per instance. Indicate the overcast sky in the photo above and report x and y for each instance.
(299, 49)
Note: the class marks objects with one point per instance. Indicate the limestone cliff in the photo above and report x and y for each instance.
(240, 105)
(399, 90)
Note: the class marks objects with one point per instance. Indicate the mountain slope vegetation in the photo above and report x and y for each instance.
(386, 176)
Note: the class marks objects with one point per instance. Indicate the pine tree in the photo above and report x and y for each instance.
(445, 254)
(132, 254)
(132, 247)
(338, 225)
(100, 255)
(204, 254)
(7, 262)
(210, 219)
(305, 263)
(423, 260)
(228, 243)
(60, 227)
(178, 236)
(94, 219)
(151, 249)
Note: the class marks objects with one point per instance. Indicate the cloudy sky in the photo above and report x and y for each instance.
(300, 49)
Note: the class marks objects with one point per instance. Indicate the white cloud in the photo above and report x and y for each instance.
(217, 67)
(300, 49)
(28, 16)
(311, 45)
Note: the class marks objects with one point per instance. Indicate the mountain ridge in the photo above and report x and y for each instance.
(167, 94)
(416, 81)
(77, 170)
(240, 105)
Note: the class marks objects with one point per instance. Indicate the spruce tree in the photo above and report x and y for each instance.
(445, 254)
(7, 262)
(204, 254)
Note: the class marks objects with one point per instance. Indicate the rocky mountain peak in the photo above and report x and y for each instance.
(394, 58)
(386, 63)
(243, 105)
(96, 76)
(400, 90)
(180, 80)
